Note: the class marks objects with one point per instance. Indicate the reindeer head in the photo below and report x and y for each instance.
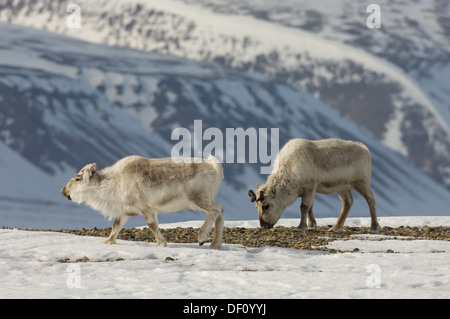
(79, 183)
(266, 203)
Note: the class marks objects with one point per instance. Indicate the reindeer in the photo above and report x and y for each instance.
(304, 168)
(139, 186)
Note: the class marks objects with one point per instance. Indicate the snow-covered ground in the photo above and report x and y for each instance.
(29, 267)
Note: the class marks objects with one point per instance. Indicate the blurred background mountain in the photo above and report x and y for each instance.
(135, 70)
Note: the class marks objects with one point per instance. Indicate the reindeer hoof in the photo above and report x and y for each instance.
(203, 238)
(215, 246)
(375, 230)
(335, 229)
(161, 244)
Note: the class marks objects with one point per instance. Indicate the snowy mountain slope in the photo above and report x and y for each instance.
(414, 37)
(410, 33)
(65, 103)
(414, 47)
(378, 78)
(29, 197)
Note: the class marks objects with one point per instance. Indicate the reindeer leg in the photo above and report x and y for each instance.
(347, 202)
(117, 226)
(152, 222)
(365, 190)
(312, 224)
(218, 229)
(213, 215)
(305, 207)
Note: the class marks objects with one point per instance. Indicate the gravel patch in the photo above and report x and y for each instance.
(279, 236)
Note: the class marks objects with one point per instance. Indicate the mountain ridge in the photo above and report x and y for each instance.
(387, 80)
(73, 102)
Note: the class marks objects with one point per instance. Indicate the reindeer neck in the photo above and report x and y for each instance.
(285, 190)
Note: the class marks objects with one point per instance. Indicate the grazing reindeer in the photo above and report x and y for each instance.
(139, 186)
(304, 168)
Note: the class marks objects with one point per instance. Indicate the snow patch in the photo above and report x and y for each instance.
(44, 265)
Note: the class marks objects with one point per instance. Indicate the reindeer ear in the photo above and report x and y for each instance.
(91, 169)
(252, 196)
(261, 196)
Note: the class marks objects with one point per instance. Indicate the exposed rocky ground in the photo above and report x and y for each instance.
(278, 236)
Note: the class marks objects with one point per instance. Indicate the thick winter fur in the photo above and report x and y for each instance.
(139, 186)
(305, 168)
